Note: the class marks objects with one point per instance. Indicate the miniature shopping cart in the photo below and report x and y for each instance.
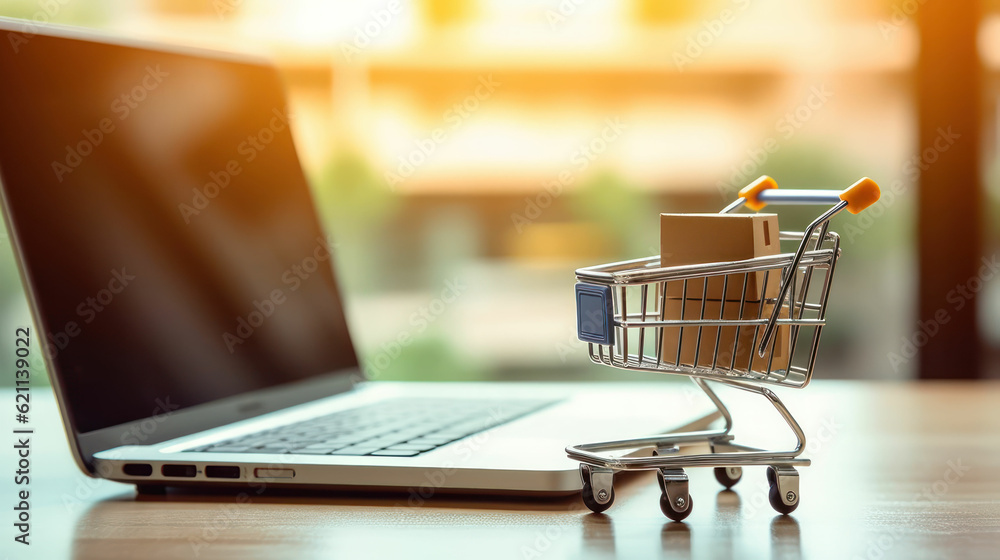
(622, 312)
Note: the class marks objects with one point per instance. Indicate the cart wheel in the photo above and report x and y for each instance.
(774, 494)
(728, 476)
(778, 505)
(591, 502)
(668, 508)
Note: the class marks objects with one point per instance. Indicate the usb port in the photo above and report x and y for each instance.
(137, 469)
(179, 471)
(216, 471)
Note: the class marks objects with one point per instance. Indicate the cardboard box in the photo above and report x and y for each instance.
(705, 238)
(730, 339)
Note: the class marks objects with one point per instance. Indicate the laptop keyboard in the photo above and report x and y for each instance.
(402, 427)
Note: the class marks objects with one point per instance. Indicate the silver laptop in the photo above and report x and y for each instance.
(185, 294)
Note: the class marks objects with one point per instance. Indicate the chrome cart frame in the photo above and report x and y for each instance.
(622, 314)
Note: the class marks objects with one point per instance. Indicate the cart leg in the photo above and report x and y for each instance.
(661, 450)
(703, 385)
(598, 487)
(784, 488)
(675, 501)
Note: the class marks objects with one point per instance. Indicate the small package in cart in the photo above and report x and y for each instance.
(687, 239)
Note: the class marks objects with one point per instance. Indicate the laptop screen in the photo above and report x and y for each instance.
(165, 227)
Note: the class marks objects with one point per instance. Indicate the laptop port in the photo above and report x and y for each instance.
(216, 471)
(180, 471)
(137, 469)
(274, 473)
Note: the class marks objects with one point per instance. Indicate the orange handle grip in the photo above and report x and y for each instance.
(861, 195)
(752, 192)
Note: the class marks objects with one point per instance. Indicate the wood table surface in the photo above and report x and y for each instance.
(901, 470)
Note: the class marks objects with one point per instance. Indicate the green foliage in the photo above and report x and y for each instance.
(626, 214)
(351, 196)
(66, 12)
(356, 205)
(432, 357)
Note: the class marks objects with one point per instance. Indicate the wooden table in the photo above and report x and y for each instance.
(900, 471)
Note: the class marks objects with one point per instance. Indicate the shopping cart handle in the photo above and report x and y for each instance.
(858, 196)
(861, 195)
(751, 193)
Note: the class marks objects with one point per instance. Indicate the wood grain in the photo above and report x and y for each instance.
(900, 471)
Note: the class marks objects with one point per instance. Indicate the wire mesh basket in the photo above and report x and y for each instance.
(767, 334)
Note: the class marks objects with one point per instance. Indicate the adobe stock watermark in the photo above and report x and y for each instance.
(816, 445)
(420, 320)
(454, 117)
(292, 279)
(137, 434)
(223, 8)
(562, 13)
(543, 540)
(958, 297)
(465, 449)
(572, 345)
(247, 152)
(785, 128)
(231, 513)
(945, 139)
(121, 107)
(588, 321)
(88, 310)
(711, 29)
(365, 34)
(877, 547)
(901, 13)
(580, 160)
(48, 9)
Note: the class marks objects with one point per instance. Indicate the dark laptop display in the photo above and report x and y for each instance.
(165, 227)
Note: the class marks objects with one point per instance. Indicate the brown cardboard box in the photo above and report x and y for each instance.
(727, 338)
(705, 238)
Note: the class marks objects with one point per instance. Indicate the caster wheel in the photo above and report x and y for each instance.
(668, 509)
(728, 476)
(778, 505)
(775, 498)
(590, 500)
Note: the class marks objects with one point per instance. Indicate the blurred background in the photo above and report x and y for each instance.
(468, 155)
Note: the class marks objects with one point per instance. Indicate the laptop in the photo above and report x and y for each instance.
(185, 295)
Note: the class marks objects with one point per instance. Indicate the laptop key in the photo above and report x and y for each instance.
(384, 441)
(341, 441)
(433, 439)
(410, 434)
(307, 451)
(396, 453)
(279, 445)
(356, 450)
(451, 435)
(228, 449)
(412, 447)
(327, 446)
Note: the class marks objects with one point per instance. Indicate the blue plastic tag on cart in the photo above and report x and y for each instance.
(594, 314)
